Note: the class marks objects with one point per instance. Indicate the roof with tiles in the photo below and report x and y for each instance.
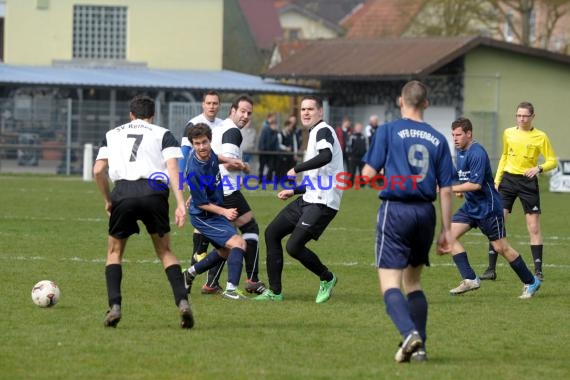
(263, 22)
(390, 57)
(382, 18)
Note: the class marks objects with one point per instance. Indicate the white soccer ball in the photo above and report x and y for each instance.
(45, 293)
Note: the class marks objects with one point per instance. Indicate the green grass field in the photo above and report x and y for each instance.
(55, 228)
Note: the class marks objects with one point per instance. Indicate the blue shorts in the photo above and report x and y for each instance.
(404, 234)
(492, 227)
(216, 228)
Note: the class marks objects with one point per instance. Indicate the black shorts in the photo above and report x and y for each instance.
(526, 189)
(311, 217)
(136, 200)
(238, 201)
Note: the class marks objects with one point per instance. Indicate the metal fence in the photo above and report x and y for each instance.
(46, 135)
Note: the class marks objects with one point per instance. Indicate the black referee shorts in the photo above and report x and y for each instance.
(526, 189)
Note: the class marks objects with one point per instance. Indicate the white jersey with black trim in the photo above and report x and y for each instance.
(324, 185)
(195, 120)
(138, 149)
(226, 141)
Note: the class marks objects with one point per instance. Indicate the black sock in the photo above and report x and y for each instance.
(252, 260)
(200, 246)
(536, 251)
(114, 275)
(176, 279)
(492, 257)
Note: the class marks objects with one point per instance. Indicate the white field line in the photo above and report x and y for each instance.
(336, 228)
(100, 261)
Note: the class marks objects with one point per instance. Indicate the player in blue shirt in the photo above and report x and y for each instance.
(416, 160)
(208, 215)
(482, 209)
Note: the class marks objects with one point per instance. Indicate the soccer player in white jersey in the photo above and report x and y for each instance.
(307, 217)
(226, 142)
(210, 109)
(137, 156)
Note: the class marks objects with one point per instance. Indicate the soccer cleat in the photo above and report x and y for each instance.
(113, 316)
(186, 317)
(216, 289)
(199, 256)
(411, 344)
(539, 275)
(236, 295)
(489, 274)
(188, 280)
(419, 355)
(530, 289)
(268, 295)
(325, 290)
(466, 286)
(255, 287)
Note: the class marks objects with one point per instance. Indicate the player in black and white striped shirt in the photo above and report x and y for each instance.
(134, 156)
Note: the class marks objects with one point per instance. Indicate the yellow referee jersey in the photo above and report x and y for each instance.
(521, 150)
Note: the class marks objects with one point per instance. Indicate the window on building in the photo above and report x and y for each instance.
(509, 35)
(99, 32)
(293, 34)
(532, 26)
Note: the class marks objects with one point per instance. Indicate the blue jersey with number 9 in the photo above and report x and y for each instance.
(415, 158)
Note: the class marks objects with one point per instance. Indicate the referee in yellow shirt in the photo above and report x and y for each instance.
(517, 176)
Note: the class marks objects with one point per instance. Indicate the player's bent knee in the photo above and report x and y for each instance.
(236, 241)
(250, 230)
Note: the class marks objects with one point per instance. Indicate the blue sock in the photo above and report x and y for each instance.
(521, 270)
(399, 311)
(418, 305)
(208, 262)
(462, 263)
(235, 264)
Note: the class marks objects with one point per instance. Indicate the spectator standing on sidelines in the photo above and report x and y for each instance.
(371, 127)
(306, 217)
(482, 209)
(130, 155)
(268, 143)
(342, 133)
(517, 176)
(356, 147)
(226, 142)
(210, 109)
(288, 145)
(409, 148)
(248, 134)
(209, 216)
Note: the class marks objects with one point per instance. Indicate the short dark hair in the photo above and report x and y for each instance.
(212, 93)
(241, 98)
(198, 130)
(463, 123)
(414, 94)
(315, 98)
(527, 106)
(142, 107)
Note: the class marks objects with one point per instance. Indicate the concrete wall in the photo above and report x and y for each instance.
(506, 78)
(167, 34)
